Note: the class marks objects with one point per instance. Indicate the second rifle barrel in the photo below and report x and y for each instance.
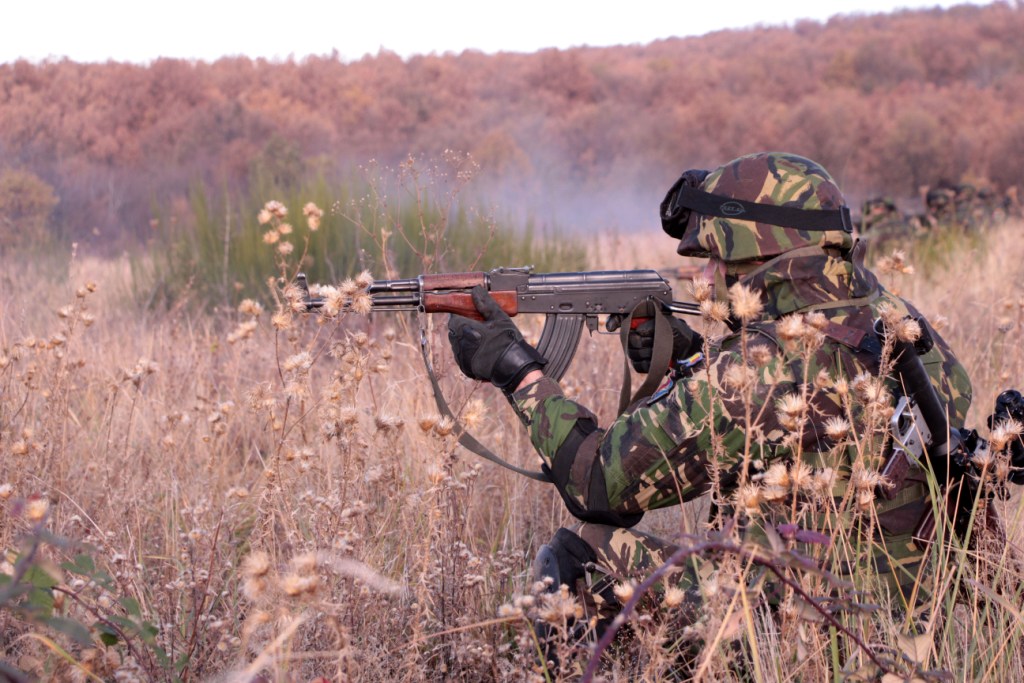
(399, 302)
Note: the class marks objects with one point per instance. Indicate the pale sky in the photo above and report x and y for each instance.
(140, 30)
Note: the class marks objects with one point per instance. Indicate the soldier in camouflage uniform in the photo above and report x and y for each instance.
(882, 224)
(940, 204)
(781, 419)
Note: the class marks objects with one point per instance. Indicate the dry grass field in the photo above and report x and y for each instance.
(265, 496)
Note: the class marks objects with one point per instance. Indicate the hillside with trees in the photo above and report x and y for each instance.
(586, 136)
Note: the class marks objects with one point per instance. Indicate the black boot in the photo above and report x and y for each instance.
(563, 561)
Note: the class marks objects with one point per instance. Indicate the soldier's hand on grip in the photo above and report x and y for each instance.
(492, 350)
(685, 342)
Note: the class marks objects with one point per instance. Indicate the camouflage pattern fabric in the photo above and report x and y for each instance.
(774, 178)
(775, 393)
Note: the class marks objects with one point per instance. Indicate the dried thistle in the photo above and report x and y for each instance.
(776, 483)
(889, 314)
(313, 214)
(300, 362)
(907, 330)
(250, 307)
(868, 388)
(791, 328)
(304, 564)
(282, 320)
(714, 311)
(864, 482)
(1004, 433)
(36, 509)
(746, 303)
(701, 289)
(761, 356)
(362, 303)
(276, 209)
(674, 597)
(473, 415)
(364, 279)
(243, 331)
(895, 263)
(558, 607)
(739, 377)
(817, 320)
(801, 476)
(624, 591)
(388, 423)
(748, 498)
(296, 586)
(334, 301)
(837, 428)
(256, 564)
(444, 426)
(348, 288)
(791, 410)
(824, 480)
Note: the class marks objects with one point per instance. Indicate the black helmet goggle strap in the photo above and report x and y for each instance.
(684, 198)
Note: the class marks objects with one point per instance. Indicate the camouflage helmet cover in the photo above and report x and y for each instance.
(768, 179)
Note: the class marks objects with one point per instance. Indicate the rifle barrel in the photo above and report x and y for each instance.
(684, 307)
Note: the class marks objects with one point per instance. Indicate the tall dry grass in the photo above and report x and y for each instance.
(273, 497)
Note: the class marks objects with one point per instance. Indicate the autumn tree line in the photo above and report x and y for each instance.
(586, 137)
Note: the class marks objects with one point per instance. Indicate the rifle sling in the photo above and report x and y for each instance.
(465, 438)
(660, 358)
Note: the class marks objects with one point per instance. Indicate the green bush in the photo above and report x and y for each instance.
(394, 224)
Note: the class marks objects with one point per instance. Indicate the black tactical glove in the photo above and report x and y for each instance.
(492, 350)
(1010, 404)
(685, 343)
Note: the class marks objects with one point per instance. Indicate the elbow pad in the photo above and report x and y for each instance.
(597, 510)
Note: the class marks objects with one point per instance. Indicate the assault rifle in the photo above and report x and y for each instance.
(921, 435)
(569, 302)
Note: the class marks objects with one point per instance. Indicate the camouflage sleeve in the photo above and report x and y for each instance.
(654, 455)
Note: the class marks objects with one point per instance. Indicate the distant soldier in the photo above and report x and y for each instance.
(882, 225)
(966, 209)
(1011, 203)
(940, 205)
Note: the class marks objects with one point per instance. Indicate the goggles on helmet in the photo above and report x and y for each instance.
(685, 198)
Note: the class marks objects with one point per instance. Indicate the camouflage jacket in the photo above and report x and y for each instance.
(777, 391)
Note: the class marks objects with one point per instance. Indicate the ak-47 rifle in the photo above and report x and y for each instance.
(921, 434)
(569, 301)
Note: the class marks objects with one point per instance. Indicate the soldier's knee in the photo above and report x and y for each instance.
(563, 560)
